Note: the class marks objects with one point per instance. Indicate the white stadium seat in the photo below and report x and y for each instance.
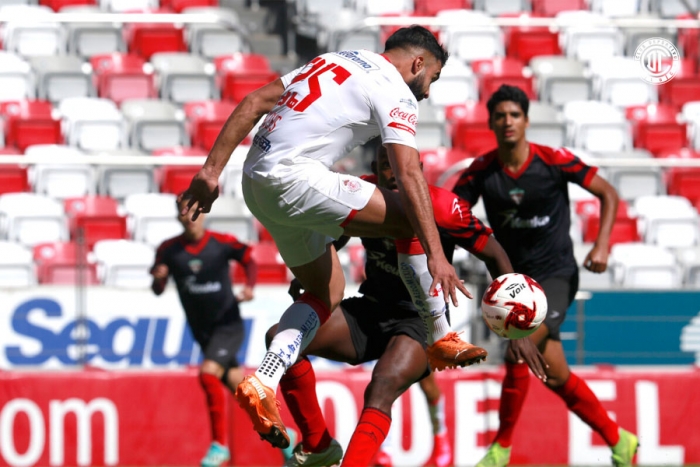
(16, 265)
(123, 263)
(30, 218)
(152, 217)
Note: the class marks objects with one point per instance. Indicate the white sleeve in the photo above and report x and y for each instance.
(287, 79)
(396, 113)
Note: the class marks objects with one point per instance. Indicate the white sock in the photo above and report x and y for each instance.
(413, 270)
(297, 327)
(437, 416)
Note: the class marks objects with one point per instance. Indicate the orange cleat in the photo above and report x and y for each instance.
(442, 452)
(453, 352)
(262, 407)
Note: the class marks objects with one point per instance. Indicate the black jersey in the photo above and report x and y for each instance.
(529, 210)
(202, 275)
(456, 225)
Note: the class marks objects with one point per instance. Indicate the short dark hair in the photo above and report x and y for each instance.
(419, 37)
(508, 93)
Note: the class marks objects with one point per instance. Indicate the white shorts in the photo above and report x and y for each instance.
(304, 206)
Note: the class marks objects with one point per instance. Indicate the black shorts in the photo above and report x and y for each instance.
(560, 292)
(373, 324)
(221, 342)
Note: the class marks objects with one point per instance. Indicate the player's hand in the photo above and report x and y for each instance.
(160, 271)
(203, 190)
(525, 351)
(597, 259)
(295, 289)
(445, 276)
(245, 295)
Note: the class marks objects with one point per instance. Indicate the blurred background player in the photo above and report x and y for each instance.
(381, 325)
(198, 260)
(525, 193)
(315, 116)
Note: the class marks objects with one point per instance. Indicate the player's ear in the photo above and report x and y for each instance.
(418, 64)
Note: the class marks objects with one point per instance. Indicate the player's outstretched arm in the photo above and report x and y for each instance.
(597, 258)
(204, 187)
(495, 258)
(415, 196)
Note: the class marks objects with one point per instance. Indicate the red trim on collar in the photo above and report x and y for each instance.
(196, 248)
(522, 169)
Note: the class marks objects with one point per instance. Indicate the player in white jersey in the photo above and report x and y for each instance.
(315, 116)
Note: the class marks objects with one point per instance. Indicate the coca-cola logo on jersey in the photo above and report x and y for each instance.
(398, 114)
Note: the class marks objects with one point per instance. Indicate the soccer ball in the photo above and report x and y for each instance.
(514, 306)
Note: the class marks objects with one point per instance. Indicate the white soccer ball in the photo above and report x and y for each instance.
(514, 306)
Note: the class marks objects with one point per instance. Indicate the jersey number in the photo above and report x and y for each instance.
(318, 67)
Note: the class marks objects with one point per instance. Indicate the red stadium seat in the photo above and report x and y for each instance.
(495, 72)
(655, 128)
(60, 263)
(684, 87)
(437, 161)
(469, 128)
(689, 40)
(684, 181)
(95, 218)
(624, 229)
(271, 268)
(242, 62)
(30, 122)
(206, 118)
(176, 178)
(56, 5)
(678, 153)
(145, 39)
(178, 5)
(121, 76)
(552, 7)
(591, 207)
(13, 178)
(525, 42)
(431, 7)
(235, 85)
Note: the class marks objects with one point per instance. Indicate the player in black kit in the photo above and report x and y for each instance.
(381, 324)
(198, 260)
(525, 193)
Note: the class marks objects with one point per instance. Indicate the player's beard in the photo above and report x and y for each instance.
(416, 86)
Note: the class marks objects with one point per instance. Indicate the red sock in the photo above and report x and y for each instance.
(580, 400)
(298, 386)
(513, 392)
(368, 436)
(216, 403)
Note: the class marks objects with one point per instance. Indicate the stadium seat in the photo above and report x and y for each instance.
(685, 182)
(145, 39)
(616, 8)
(175, 179)
(92, 123)
(14, 178)
(123, 263)
(119, 181)
(495, 72)
(271, 267)
(473, 35)
(437, 161)
(231, 215)
(524, 42)
(16, 78)
(152, 217)
(206, 118)
(642, 266)
(499, 7)
(561, 79)
(597, 126)
(616, 80)
(546, 126)
(684, 87)
(230, 180)
(94, 218)
(241, 62)
(586, 35)
(552, 7)
(433, 7)
(154, 124)
(183, 77)
(668, 221)
(64, 263)
(185, 6)
(58, 5)
(634, 181)
(130, 6)
(430, 131)
(32, 39)
(30, 122)
(59, 180)
(690, 114)
(235, 85)
(87, 39)
(624, 229)
(457, 84)
(589, 280)
(656, 127)
(16, 265)
(469, 128)
(61, 77)
(209, 40)
(673, 8)
(30, 218)
(689, 259)
(121, 76)
(383, 7)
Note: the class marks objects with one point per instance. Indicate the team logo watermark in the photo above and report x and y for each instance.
(659, 60)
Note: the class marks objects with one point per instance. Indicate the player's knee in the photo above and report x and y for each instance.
(270, 334)
(384, 389)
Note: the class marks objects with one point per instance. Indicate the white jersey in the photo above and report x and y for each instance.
(334, 103)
